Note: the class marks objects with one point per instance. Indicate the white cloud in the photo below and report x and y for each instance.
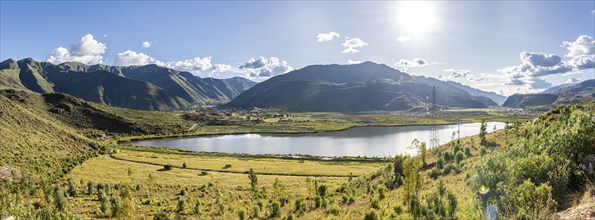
(146, 44)
(351, 44)
(87, 51)
(581, 52)
(130, 58)
(403, 39)
(476, 79)
(584, 45)
(350, 62)
(533, 66)
(195, 64)
(572, 80)
(265, 67)
(260, 67)
(322, 37)
(404, 64)
(454, 73)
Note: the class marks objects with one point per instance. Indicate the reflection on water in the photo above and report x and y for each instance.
(361, 141)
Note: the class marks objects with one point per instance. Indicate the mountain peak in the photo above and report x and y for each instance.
(8, 64)
(26, 60)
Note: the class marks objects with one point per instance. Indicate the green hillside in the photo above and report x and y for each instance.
(559, 95)
(352, 88)
(35, 143)
(94, 119)
(148, 87)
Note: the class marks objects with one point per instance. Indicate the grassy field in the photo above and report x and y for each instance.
(260, 165)
(159, 190)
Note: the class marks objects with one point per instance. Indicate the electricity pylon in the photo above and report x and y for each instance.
(434, 136)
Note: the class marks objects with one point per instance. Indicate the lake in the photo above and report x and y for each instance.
(359, 141)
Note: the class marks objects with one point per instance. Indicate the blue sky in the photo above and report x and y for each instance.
(476, 43)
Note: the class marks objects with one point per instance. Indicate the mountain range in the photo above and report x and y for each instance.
(148, 87)
(500, 99)
(561, 94)
(352, 88)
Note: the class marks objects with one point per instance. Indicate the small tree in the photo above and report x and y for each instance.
(71, 188)
(275, 209)
(242, 214)
(381, 192)
(104, 206)
(483, 132)
(197, 207)
(322, 190)
(90, 188)
(412, 178)
(253, 180)
(459, 157)
(184, 165)
(59, 200)
(398, 170)
(278, 188)
(181, 205)
(421, 149)
(116, 205)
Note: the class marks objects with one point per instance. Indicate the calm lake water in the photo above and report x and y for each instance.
(360, 141)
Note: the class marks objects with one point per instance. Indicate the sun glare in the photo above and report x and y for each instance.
(417, 17)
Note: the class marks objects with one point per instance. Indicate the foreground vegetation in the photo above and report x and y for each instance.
(527, 171)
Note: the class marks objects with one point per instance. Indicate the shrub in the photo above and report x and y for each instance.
(374, 203)
(447, 156)
(59, 200)
(253, 180)
(71, 188)
(467, 151)
(335, 210)
(398, 170)
(381, 192)
(116, 206)
(434, 173)
(447, 169)
(421, 150)
(242, 214)
(372, 215)
(300, 205)
(535, 202)
(227, 166)
(283, 201)
(204, 173)
(275, 210)
(398, 209)
(197, 207)
(104, 206)
(440, 163)
(290, 217)
(322, 190)
(167, 167)
(255, 212)
(90, 188)
(412, 178)
(459, 157)
(482, 151)
(483, 132)
(184, 165)
(181, 205)
(161, 216)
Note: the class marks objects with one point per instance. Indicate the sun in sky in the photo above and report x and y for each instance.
(417, 18)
